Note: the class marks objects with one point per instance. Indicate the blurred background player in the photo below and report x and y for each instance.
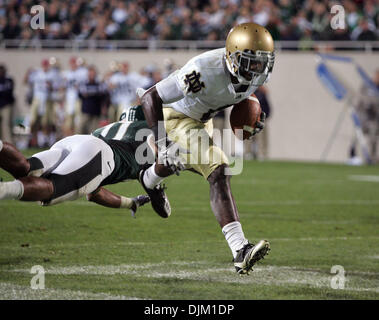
(368, 113)
(42, 107)
(169, 67)
(71, 78)
(124, 85)
(93, 94)
(151, 75)
(6, 104)
(112, 103)
(57, 98)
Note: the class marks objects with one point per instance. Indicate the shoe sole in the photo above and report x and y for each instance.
(259, 251)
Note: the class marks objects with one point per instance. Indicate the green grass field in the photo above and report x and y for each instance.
(315, 216)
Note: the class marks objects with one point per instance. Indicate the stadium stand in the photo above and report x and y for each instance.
(186, 20)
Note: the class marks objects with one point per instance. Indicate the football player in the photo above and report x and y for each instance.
(185, 103)
(79, 165)
(72, 78)
(42, 107)
(123, 85)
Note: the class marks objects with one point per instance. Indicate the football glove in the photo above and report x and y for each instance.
(259, 126)
(169, 155)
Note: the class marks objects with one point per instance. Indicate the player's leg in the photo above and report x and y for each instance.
(81, 172)
(30, 188)
(27, 189)
(12, 160)
(35, 121)
(208, 159)
(6, 123)
(224, 208)
(222, 201)
(69, 112)
(42, 163)
(150, 180)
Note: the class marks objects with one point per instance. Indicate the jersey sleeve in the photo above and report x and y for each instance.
(187, 81)
(169, 90)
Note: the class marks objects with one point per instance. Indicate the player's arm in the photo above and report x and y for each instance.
(152, 105)
(168, 152)
(164, 92)
(109, 199)
(105, 198)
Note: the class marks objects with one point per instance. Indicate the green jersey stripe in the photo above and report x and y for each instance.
(113, 130)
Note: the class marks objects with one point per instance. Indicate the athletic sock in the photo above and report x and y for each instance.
(234, 236)
(150, 178)
(1, 145)
(11, 190)
(126, 202)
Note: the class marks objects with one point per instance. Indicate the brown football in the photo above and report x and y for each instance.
(245, 115)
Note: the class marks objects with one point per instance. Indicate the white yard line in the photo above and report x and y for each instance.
(200, 271)
(9, 291)
(365, 178)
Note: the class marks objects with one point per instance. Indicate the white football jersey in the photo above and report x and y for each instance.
(42, 84)
(70, 83)
(81, 74)
(202, 87)
(57, 83)
(125, 87)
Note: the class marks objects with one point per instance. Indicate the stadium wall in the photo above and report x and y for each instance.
(304, 112)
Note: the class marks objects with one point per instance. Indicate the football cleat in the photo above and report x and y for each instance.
(249, 255)
(158, 198)
(138, 201)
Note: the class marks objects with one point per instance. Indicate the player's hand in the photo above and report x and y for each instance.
(259, 126)
(169, 155)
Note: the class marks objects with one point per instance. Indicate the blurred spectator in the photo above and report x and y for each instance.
(320, 21)
(93, 94)
(6, 103)
(12, 29)
(364, 32)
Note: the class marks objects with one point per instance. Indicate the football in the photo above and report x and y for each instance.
(245, 115)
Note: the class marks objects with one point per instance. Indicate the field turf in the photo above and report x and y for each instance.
(315, 216)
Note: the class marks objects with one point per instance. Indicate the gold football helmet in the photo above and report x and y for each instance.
(250, 53)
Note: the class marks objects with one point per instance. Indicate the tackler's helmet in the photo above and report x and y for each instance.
(250, 53)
